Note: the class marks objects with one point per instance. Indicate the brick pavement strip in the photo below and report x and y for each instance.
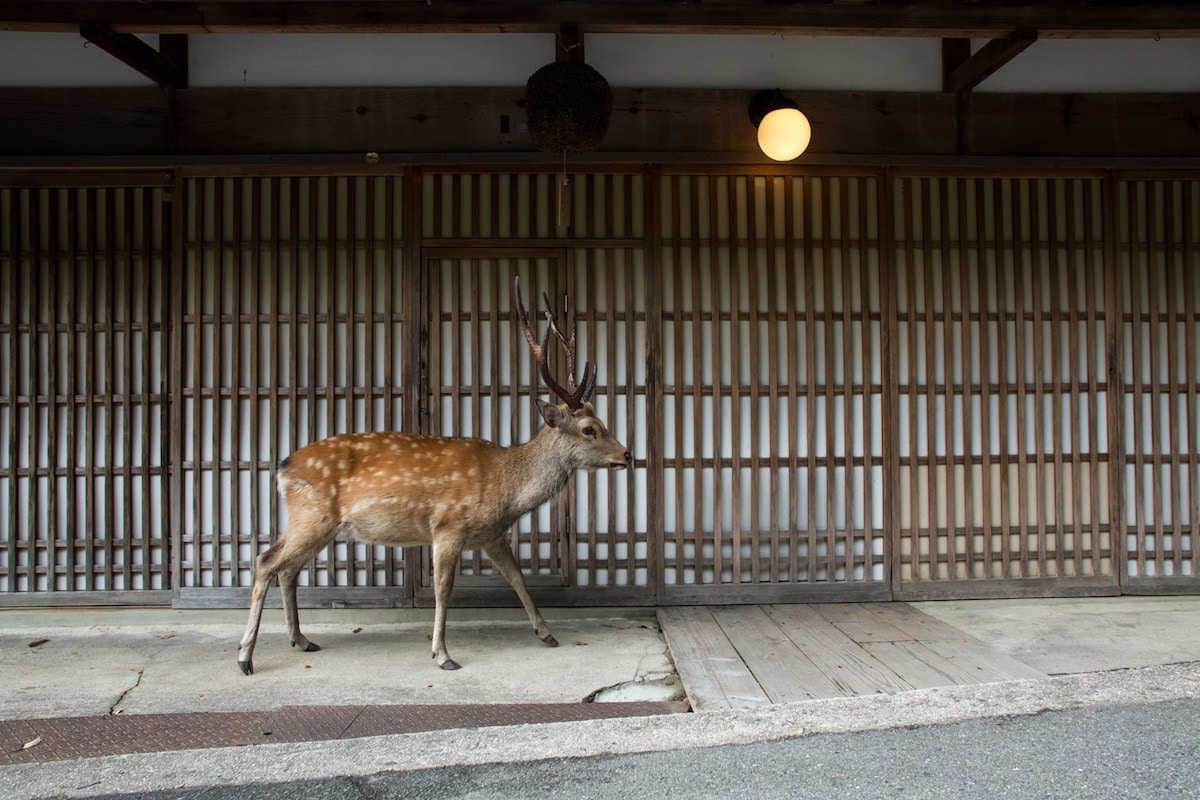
(67, 738)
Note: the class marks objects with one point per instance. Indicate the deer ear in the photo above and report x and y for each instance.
(550, 412)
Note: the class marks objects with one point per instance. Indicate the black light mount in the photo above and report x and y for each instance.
(767, 101)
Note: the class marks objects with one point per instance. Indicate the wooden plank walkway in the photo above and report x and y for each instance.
(743, 656)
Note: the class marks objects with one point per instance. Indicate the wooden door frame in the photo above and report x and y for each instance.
(485, 590)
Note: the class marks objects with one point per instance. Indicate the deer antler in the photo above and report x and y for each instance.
(573, 396)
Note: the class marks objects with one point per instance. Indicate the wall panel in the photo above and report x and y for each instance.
(1159, 266)
(584, 238)
(1003, 458)
(83, 303)
(838, 384)
(291, 331)
(772, 439)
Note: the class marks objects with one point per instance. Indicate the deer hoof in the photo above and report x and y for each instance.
(312, 647)
(247, 667)
(450, 663)
(549, 640)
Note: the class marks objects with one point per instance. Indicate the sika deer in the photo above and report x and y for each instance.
(402, 489)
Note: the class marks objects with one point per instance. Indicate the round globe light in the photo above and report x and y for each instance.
(784, 134)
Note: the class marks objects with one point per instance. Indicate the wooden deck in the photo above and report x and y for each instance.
(743, 656)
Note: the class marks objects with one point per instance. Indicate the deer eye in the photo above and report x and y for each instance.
(589, 431)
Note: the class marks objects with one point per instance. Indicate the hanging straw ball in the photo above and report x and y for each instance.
(568, 105)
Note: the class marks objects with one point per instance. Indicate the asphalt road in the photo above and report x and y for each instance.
(1144, 751)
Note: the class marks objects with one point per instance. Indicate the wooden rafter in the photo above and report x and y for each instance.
(955, 53)
(989, 58)
(1062, 18)
(166, 67)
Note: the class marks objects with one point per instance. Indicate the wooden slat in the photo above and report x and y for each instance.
(835, 653)
(82, 333)
(797, 652)
(712, 671)
(1011, 259)
(1191, 255)
(919, 666)
(12, 319)
(1031, 281)
(1157, 263)
(916, 625)
(861, 624)
(984, 663)
(785, 673)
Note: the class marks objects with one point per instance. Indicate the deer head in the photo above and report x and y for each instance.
(576, 416)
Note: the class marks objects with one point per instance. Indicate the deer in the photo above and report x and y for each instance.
(396, 488)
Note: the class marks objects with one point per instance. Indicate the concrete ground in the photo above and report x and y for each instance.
(1103, 651)
(164, 661)
(1062, 636)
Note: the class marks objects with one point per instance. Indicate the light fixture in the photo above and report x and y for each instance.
(783, 131)
(568, 105)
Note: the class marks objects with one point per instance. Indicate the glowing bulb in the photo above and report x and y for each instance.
(784, 134)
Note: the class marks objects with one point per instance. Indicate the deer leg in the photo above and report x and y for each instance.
(262, 580)
(287, 586)
(502, 556)
(283, 560)
(445, 566)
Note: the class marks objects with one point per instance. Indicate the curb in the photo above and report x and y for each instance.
(283, 763)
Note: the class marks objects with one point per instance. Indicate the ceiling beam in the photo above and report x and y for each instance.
(937, 19)
(568, 45)
(955, 53)
(989, 58)
(163, 69)
(46, 125)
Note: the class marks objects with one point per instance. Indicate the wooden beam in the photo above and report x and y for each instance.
(955, 53)
(50, 123)
(568, 45)
(131, 50)
(1061, 18)
(174, 48)
(989, 58)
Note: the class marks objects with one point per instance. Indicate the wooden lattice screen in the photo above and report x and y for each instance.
(771, 335)
(1159, 267)
(83, 289)
(1003, 457)
(291, 330)
(483, 231)
(836, 383)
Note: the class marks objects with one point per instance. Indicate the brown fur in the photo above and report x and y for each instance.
(402, 489)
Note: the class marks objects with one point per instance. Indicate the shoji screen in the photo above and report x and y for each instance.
(291, 331)
(1003, 453)
(1159, 264)
(772, 370)
(480, 231)
(83, 304)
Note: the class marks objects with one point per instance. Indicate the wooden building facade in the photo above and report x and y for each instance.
(952, 351)
(839, 383)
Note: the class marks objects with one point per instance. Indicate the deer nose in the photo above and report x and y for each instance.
(628, 458)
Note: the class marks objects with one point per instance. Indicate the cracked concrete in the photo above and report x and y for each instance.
(116, 707)
(655, 678)
(161, 661)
